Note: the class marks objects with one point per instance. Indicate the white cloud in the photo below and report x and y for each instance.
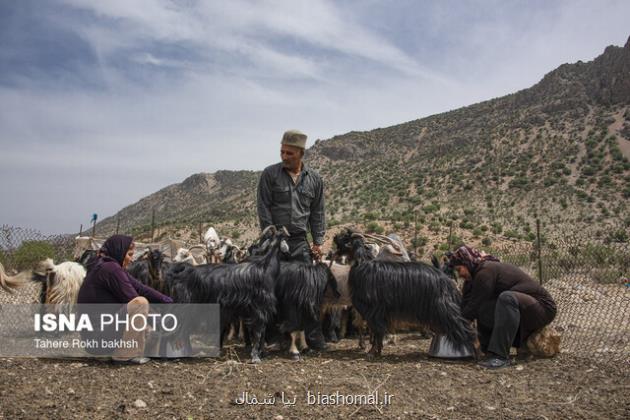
(185, 87)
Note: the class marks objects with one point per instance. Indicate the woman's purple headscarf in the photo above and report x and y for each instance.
(470, 258)
(116, 247)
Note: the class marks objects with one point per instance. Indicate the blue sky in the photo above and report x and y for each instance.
(103, 103)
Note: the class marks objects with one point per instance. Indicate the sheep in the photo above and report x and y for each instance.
(244, 290)
(384, 292)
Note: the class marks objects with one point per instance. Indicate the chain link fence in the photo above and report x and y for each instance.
(591, 286)
(589, 281)
(21, 249)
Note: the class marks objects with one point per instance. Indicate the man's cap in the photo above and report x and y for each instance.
(294, 138)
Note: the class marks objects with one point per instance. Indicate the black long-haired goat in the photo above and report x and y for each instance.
(300, 291)
(244, 290)
(385, 292)
(150, 269)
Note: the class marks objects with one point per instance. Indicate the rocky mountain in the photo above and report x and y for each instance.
(199, 198)
(558, 151)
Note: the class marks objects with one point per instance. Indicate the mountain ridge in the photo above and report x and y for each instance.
(558, 151)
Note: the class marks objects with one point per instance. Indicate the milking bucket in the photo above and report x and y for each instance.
(442, 347)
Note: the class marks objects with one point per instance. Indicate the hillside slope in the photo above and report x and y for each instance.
(558, 151)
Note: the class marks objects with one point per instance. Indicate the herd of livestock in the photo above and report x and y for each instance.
(259, 289)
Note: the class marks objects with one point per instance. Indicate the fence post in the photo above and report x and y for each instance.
(152, 224)
(117, 224)
(450, 235)
(200, 233)
(81, 230)
(415, 233)
(540, 272)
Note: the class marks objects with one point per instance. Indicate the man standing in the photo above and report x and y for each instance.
(291, 194)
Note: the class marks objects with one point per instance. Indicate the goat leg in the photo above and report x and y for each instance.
(377, 345)
(256, 336)
(343, 329)
(293, 351)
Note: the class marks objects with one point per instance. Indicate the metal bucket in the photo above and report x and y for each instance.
(443, 348)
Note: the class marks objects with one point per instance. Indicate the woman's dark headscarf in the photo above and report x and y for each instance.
(470, 258)
(116, 247)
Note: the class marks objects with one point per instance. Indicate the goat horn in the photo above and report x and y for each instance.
(267, 229)
(285, 231)
(384, 239)
(203, 247)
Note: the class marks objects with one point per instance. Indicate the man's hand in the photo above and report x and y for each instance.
(316, 250)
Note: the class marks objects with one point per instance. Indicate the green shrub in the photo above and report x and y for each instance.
(620, 235)
(497, 228)
(606, 275)
(466, 224)
(455, 240)
(31, 252)
(486, 241)
(519, 182)
(420, 241)
(443, 247)
(431, 208)
(512, 234)
(434, 227)
(374, 227)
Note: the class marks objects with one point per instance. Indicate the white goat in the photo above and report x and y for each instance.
(375, 249)
(63, 281)
(8, 283)
(394, 249)
(213, 242)
(187, 256)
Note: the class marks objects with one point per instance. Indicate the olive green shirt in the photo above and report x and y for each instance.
(297, 206)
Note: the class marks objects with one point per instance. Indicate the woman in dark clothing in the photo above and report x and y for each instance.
(506, 302)
(107, 282)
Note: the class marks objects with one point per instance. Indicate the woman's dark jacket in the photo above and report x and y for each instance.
(492, 278)
(108, 282)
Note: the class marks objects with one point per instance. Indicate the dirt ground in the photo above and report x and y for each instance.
(420, 387)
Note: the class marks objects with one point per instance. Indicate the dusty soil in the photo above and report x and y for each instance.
(564, 387)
